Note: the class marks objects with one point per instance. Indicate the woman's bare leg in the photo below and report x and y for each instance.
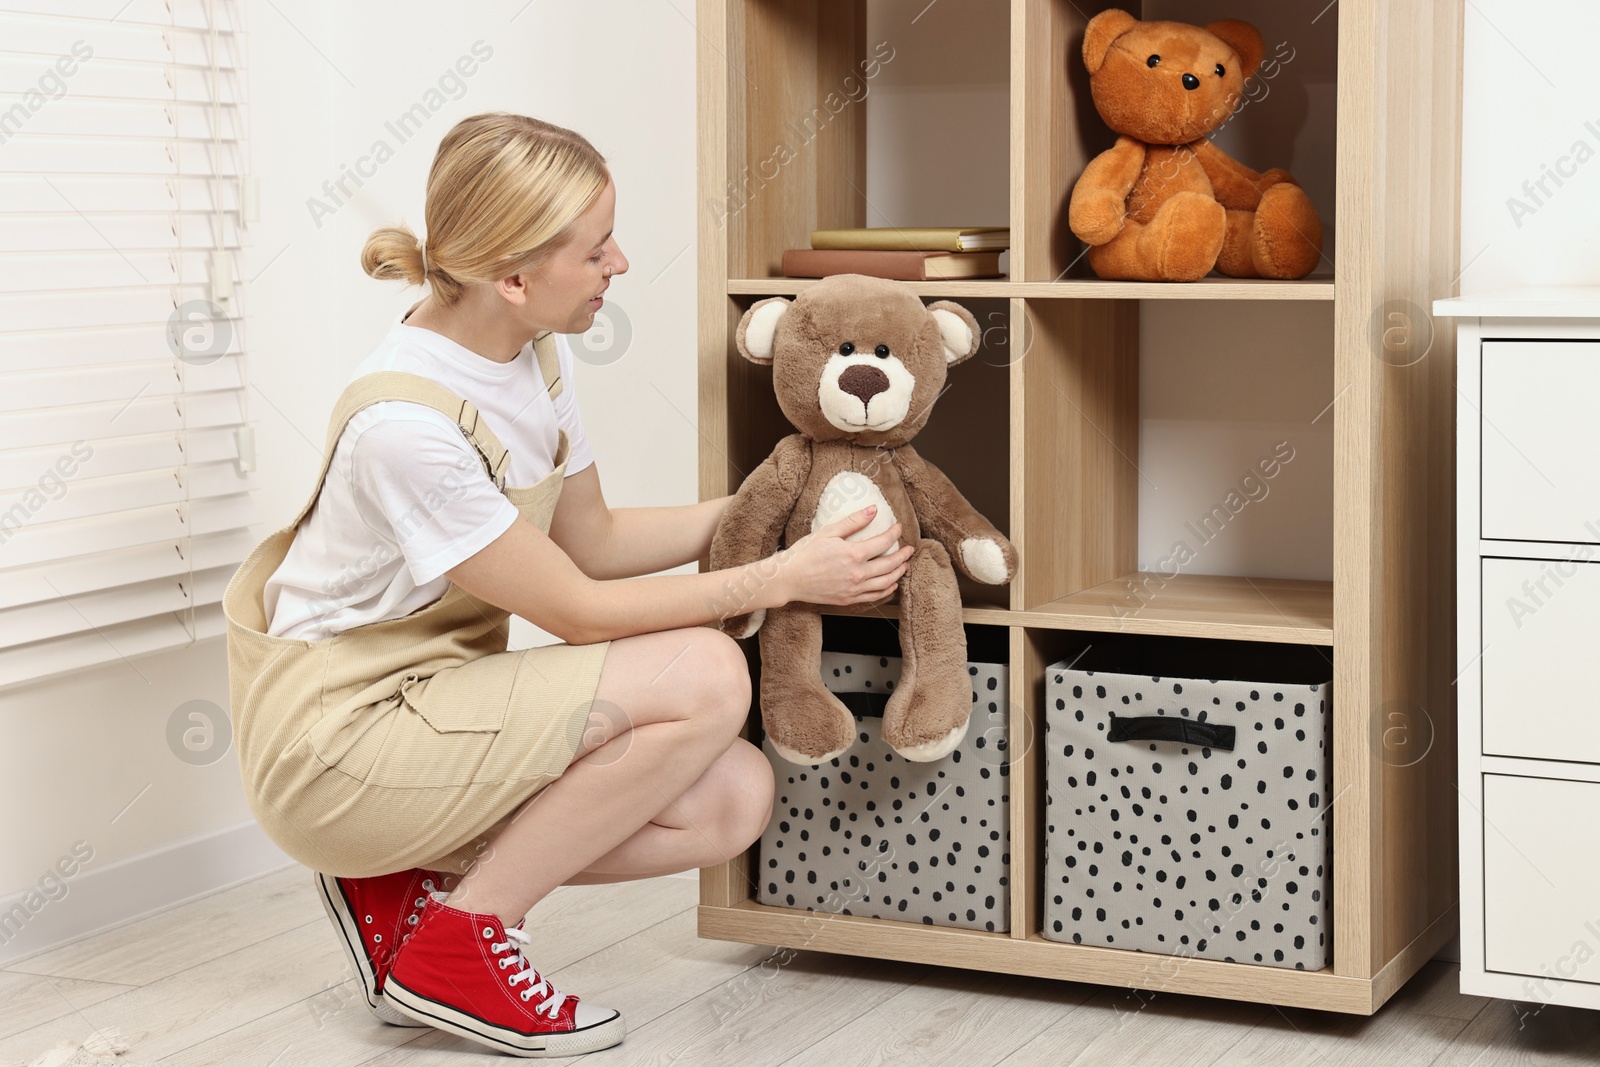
(669, 705)
(714, 820)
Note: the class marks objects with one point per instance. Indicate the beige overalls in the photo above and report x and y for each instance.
(408, 742)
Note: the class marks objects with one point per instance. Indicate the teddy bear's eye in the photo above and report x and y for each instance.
(1220, 71)
(882, 351)
(845, 348)
(1153, 61)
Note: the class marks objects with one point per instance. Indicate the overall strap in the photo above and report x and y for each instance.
(374, 388)
(549, 363)
(379, 386)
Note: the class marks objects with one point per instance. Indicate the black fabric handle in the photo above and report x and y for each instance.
(864, 703)
(1170, 728)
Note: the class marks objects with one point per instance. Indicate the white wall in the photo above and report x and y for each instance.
(324, 79)
(1532, 115)
(939, 109)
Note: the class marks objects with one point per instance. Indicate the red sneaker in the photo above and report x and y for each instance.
(466, 973)
(372, 917)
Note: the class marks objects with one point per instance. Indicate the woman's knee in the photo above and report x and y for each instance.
(693, 674)
(713, 680)
(748, 794)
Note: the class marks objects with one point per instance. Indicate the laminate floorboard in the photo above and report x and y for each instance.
(252, 976)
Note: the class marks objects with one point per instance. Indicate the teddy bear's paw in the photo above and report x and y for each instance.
(1287, 239)
(938, 748)
(847, 730)
(1096, 216)
(742, 626)
(984, 560)
(1182, 242)
(804, 760)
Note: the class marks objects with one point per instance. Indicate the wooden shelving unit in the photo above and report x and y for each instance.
(1058, 474)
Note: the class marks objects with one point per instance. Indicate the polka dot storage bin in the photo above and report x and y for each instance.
(1187, 806)
(872, 834)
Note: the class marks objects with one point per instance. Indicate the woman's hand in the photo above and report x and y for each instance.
(825, 568)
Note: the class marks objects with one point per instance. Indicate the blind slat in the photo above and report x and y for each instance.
(141, 82)
(124, 233)
(28, 194)
(105, 42)
(46, 659)
(188, 14)
(162, 414)
(106, 570)
(25, 154)
(23, 508)
(48, 542)
(63, 616)
(72, 116)
(122, 456)
(52, 273)
(68, 347)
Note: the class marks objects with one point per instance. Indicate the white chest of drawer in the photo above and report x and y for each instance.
(1528, 643)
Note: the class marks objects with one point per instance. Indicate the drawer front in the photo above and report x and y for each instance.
(1541, 448)
(1541, 867)
(1541, 677)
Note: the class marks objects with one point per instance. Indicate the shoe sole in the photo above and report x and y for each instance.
(564, 1043)
(349, 931)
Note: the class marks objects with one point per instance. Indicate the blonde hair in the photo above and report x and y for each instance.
(503, 193)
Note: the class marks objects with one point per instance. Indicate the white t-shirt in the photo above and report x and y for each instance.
(406, 497)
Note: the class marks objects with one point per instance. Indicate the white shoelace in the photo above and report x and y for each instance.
(515, 939)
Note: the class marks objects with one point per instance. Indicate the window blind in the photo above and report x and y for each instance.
(126, 449)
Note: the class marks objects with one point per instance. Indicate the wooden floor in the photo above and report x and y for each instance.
(253, 976)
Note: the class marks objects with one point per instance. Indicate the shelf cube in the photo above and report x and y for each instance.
(869, 833)
(1188, 801)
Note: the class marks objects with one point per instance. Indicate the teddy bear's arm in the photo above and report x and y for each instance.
(982, 552)
(1100, 198)
(1234, 184)
(754, 520)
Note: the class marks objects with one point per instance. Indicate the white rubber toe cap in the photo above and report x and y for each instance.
(588, 1015)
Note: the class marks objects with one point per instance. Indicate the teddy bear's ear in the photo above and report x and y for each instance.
(757, 327)
(958, 330)
(1244, 39)
(1101, 31)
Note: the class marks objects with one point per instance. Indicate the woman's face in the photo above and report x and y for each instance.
(567, 288)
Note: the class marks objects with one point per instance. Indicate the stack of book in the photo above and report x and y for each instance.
(911, 255)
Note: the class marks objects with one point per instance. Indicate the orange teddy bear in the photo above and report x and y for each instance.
(1164, 203)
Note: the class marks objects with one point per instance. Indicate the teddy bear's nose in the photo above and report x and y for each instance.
(863, 382)
(1191, 82)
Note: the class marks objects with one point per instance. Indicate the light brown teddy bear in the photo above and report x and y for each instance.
(1164, 203)
(857, 363)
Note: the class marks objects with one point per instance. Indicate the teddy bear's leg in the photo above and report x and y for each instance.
(1287, 238)
(806, 724)
(1179, 244)
(1237, 259)
(927, 715)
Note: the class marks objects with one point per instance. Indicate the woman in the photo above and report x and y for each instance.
(439, 784)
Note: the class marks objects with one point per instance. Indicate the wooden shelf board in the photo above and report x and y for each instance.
(1315, 287)
(1188, 605)
(757, 924)
(1195, 605)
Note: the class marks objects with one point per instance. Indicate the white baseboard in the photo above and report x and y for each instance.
(97, 898)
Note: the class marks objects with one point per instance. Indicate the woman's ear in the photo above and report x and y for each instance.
(958, 330)
(757, 329)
